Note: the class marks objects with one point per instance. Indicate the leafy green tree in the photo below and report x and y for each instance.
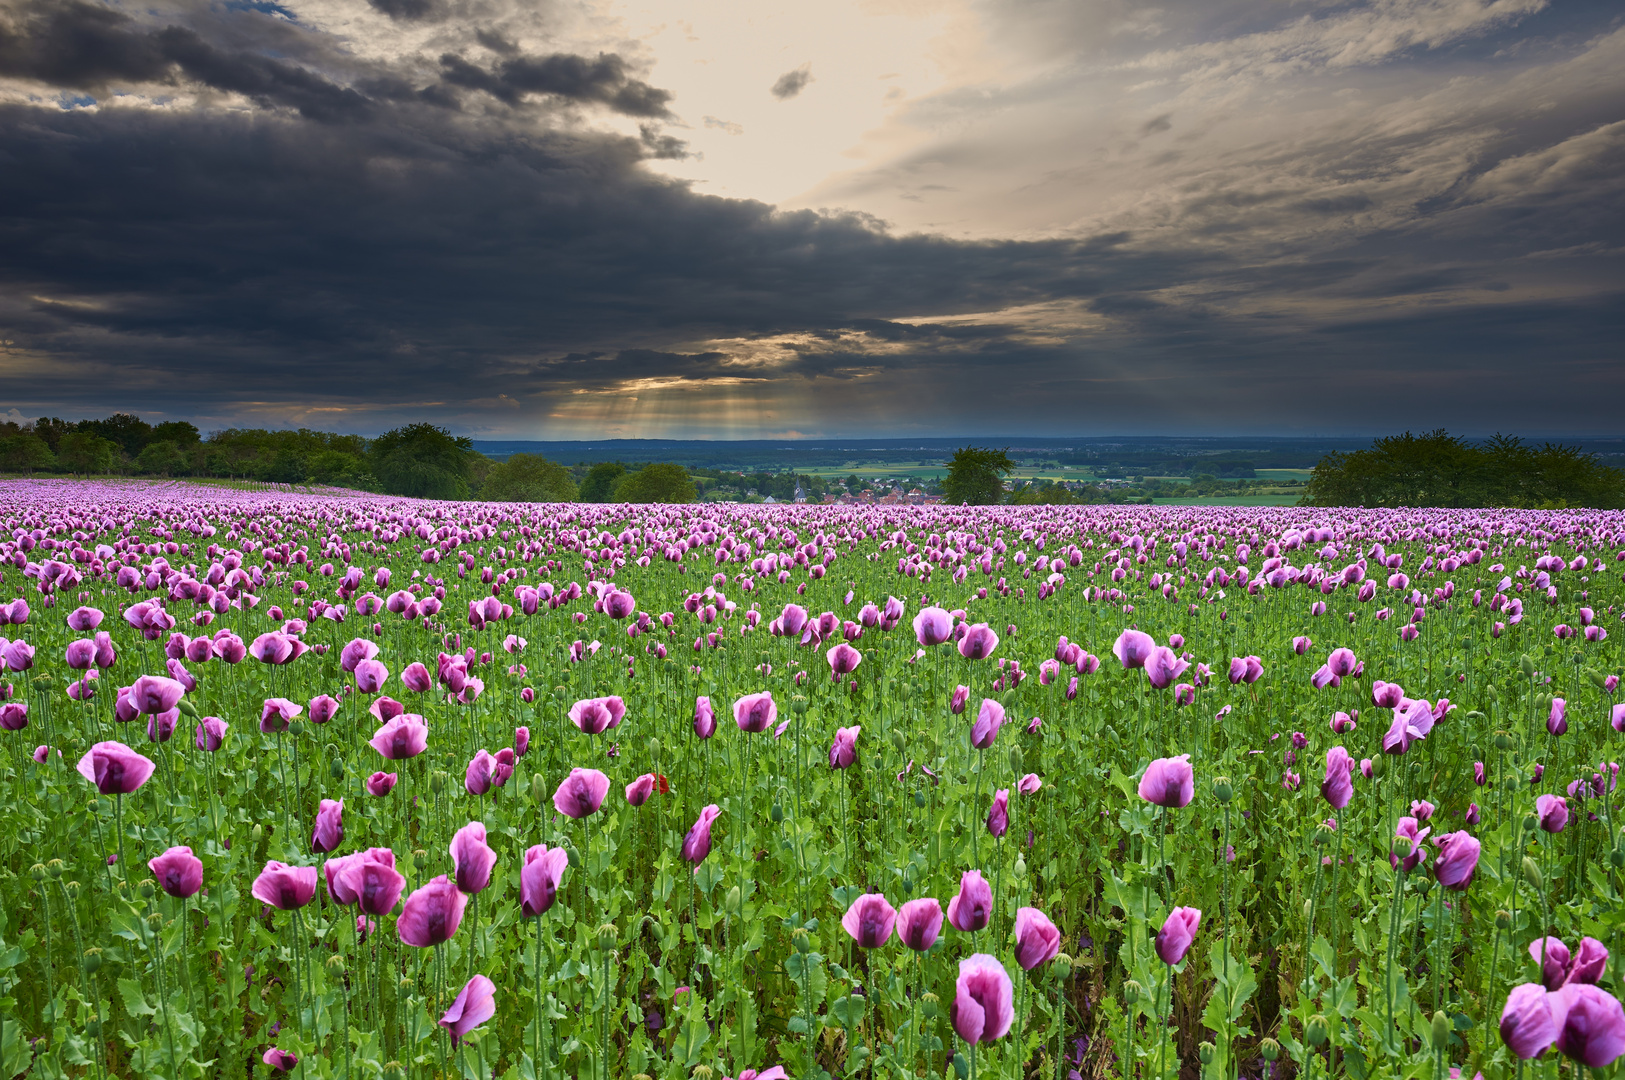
(51, 429)
(528, 478)
(287, 467)
(854, 484)
(162, 457)
(976, 476)
(129, 432)
(86, 452)
(179, 432)
(657, 483)
(423, 461)
(601, 481)
(25, 453)
(334, 466)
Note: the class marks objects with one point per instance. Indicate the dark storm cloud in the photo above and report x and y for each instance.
(791, 83)
(424, 236)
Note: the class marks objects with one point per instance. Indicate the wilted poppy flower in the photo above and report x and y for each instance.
(1169, 782)
(844, 751)
(285, 887)
(1526, 1021)
(539, 878)
(983, 1008)
(432, 914)
(581, 793)
(329, 832)
(597, 715)
(919, 922)
(381, 783)
(476, 1003)
(970, 910)
(1177, 933)
(697, 844)
(755, 712)
(114, 768)
(1037, 939)
(869, 920)
(404, 736)
(178, 871)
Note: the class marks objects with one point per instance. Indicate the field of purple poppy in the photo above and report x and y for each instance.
(381, 788)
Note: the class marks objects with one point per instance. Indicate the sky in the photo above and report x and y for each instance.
(588, 219)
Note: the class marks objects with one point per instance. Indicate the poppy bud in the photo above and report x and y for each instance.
(1269, 1049)
(1530, 823)
(1379, 765)
(1206, 1051)
(1223, 789)
(572, 857)
(93, 960)
(898, 743)
(1441, 1030)
(1616, 857)
(1526, 665)
(961, 1066)
(777, 813)
(1532, 874)
(538, 788)
(437, 781)
(336, 770)
(1016, 760)
(1021, 866)
(657, 931)
(730, 903)
(258, 832)
(654, 747)
(1317, 1030)
(187, 708)
(1503, 920)
(1503, 741)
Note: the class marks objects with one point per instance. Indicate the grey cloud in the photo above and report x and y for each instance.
(792, 83)
(1156, 124)
(409, 10)
(604, 80)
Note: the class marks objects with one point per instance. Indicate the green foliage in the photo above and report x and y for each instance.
(528, 478)
(657, 483)
(1440, 469)
(975, 476)
(423, 461)
(25, 453)
(85, 452)
(162, 457)
(601, 481)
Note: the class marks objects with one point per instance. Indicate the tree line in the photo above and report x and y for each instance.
(420, 460)
(1440, 469)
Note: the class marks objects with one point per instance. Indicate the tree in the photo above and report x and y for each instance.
(528, 478)
(179, 432)
(85, 452)
(975, 476)
(25, 453)
(658, 483)
(601, 481)
(130, 432)
(51, 429)
(163, 457)
(422, 460)
(1439, 469)
(854, 484)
